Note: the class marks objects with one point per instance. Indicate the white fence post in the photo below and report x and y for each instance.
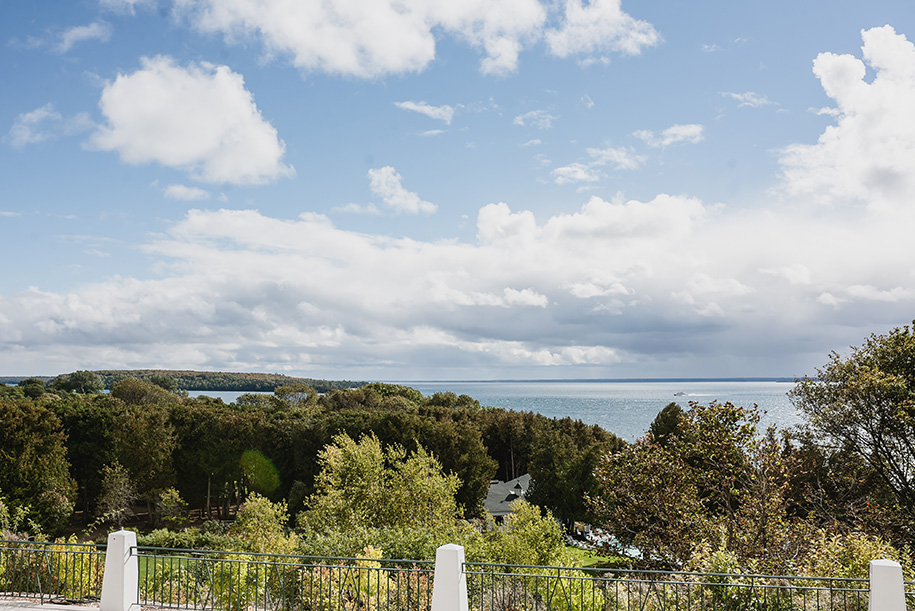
(887, 589)
(122, 576)
(449, 588)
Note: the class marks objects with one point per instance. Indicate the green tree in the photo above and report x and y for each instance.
(365, 485)
(81, 382)
(261, 524)
(144, 441)
(165, 382)
(33, 463)
(714, 483)
(865, 404)
(665, 424)
(32, 387)
(139, 392)
(296, 396)
(118, 494)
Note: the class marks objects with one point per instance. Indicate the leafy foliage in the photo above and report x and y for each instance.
(864, 406)
(118, 494)
(364, 484)
(33, 463)
(81, 382)
(714, 481)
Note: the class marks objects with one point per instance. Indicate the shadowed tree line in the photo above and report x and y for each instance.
(213, 455)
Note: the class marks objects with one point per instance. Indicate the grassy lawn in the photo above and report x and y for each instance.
(588, 558)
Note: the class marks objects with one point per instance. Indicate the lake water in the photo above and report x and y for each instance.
(624, 408)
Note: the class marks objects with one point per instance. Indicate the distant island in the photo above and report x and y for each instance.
(211, 380)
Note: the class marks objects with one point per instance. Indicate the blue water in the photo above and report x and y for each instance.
(623, 408)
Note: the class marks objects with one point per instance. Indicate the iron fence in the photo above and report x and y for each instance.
(531, 588)
(51, 571)
(236, 581)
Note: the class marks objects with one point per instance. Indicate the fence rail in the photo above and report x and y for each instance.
(499, 588)
(233, 581)
(207, 580)
(51, 571)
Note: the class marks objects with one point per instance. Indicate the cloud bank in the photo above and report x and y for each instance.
(669, 285)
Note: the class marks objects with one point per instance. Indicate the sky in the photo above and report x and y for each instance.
(483, 189)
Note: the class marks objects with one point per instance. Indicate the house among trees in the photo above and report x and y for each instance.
(502, 494)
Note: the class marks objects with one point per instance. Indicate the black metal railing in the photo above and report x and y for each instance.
(237, 581)
(494, 587)
(51, 571)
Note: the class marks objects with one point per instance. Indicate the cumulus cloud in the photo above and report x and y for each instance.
(71, 37)
(372, 38)
(439, 113)
(601, 25)
(868, 155)
(186, 193)
(385, 183)
(691, 133)
(198, 118)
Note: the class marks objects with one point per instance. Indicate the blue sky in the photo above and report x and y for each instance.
(425, 190)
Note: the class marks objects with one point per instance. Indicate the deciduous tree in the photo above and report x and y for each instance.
(865, 404)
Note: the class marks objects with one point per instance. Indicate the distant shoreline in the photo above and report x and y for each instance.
(599, 380)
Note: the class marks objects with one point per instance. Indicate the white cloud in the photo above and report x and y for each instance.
(432, 132)
(867, 292)
(185, 193)
(749, 98)
(8, 213)
(794, 274)
(710, 48)
(576, 172)
(600, 26)
(628, 282)
(440, 113)
(691, 133)
(198, 118)
(352, 208)
(534, 142)
(69, 38)
(372, 38)
(540, 119)
(620, 158)
(32, 127)
(43, 124)
(125, 6)
(666, 286)
(868, 155)
(589, 61)
(385, 183)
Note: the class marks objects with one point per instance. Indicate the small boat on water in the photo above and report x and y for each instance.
(680, 394)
